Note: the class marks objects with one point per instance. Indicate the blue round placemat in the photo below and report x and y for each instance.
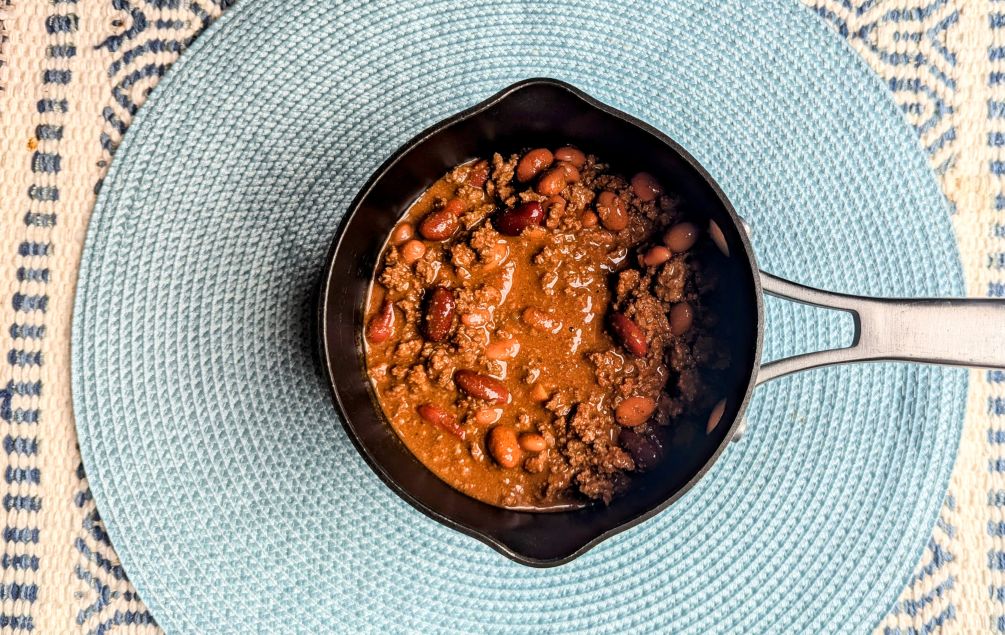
(234, 499)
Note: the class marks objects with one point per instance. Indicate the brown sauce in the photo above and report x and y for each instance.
(534, 323)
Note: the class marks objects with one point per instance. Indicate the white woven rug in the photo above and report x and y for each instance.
(72, 75)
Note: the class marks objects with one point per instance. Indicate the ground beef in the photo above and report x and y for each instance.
(537, 463)
(608, 366)
(408, 350)
(462, 256)
(560, 403)
(628, 284)
(417, 378)
(499, 185)
(672, 280)
(650, 315)
(578, 198)
(397, 276)
(428, 270)
(553, 288)
(441, 366)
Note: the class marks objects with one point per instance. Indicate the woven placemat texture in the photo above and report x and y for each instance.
(72, 75)
(206, 432)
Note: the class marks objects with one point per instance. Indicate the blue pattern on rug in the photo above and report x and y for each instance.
(138, 38)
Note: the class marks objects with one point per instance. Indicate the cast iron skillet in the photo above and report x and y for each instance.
(545, 112)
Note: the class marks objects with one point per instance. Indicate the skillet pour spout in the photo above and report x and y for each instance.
(546, 112)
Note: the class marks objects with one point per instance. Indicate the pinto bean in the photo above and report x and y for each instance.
(487, 416)
(630, 334)
(412, 251)
(533, 442)
(715, 416)
(402, 233)
(569, 171)
(573, 155)
(439, 225)
(532, 163)
(646, 187)
(541, 321)
(715, 233)
(503, 349)
(476, 317)
(611, 211)
(504, 446)
(589, 219)
(681, 318)
(551, 183)
(634, 411)
(439, 318)
(656, 256)
(381, 325)
(681, 237)
(482, 386)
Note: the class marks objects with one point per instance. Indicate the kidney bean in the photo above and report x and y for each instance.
(715, 416)
(539, 392)
(541, 321)
(656, 256)
(532, 163)
(644, 450)
(482, 386)
(573, 155)
(439, 318)
(381, 325)
(476, 317)
(569, 170)
(441, 418)
(503, 349)
(533, 442)
(438, 225)
(513, 221)
(487, 416)
(589, 219)
(681, 318)
(611, 211)
(455, 206)
(402, 233)
(412, 250)
(715, 233)
(551, 183)
(681, 237)
(504, 446)
(478, 174)
(634, 411)
(630, 334)
(646, 187)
